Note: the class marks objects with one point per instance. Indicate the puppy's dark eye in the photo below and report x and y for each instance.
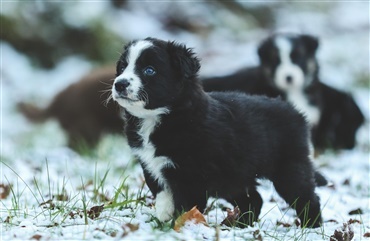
(149, 71)
(121, 66)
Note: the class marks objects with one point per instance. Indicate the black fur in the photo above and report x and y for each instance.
(221, 143)
(340, 115)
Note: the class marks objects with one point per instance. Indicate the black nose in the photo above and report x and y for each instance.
(289, 79)
(121, 85)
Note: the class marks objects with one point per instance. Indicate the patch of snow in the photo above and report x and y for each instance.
(38, 165)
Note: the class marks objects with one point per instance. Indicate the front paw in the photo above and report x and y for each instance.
(164, 206)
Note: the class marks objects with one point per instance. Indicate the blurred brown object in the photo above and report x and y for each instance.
(82, 109)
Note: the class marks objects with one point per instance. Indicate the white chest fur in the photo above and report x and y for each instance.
(153, 164)
(300, 102)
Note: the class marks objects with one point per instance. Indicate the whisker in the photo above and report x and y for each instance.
(109, 83)
(103, 92)
(144, 95)
(106, 102)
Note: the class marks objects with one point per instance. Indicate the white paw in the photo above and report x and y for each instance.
(164, 206)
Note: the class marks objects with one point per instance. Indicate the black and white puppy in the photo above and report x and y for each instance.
(289, 64)
(289, 68)
(193, 145)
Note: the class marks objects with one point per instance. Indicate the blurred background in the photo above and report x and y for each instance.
(45, 46)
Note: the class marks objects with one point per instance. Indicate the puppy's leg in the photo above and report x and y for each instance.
(250, 204)
(296, 185)
(164, 205)
(153, 185)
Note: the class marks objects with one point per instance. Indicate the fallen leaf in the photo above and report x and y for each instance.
(4, 191)
(95, 211)
(356, 211)
(297, 222)
(36, 236)
(7, 220)
(346, 182)
(75, 214)
(332, 221)
(285, 225)
(129, 227)
(367, 235)
(345, 233)
(351, 221)
(193, 215)
(257, 235)
(232, 217)
(48, 204)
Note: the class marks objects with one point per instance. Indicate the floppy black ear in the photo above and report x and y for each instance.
(311, 43)
(264, 49)
(184, 60)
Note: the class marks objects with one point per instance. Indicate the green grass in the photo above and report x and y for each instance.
(53, 199)
(60, 201)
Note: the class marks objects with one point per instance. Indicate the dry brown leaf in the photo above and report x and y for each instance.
(36, 236)
(48, 204)
(193, 215)
(367, 235)
(352, 221)
(285, 225)
(4, 191)
(344, 233)
(297, 222)
(257, 235)
(356, 211)
(7, 220)
(232, 217)
(95, 211)
(129, 228)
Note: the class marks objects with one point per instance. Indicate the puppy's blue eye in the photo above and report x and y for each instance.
(149, 71)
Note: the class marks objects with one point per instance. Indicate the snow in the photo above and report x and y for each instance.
(38, 165)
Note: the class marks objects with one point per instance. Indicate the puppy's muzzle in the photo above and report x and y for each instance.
(121, 87)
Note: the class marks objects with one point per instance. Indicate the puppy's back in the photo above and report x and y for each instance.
(260, 123)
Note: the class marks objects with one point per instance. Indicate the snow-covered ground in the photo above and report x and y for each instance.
(38, 167)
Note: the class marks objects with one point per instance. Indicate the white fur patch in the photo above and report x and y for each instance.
(287, 68)
(137, 108)
(294, 89)
(153, 164)
(164, 205)
(300, 102)
(129, 73)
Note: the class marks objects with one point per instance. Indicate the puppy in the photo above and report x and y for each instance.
(288, 68)
(192, 145)
(80, 110)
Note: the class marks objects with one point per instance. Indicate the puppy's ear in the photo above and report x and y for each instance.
(311, 43)
(184, 60)
(264, 50)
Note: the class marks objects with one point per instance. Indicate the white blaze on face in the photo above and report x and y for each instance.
(129, 74)
(288, 76)
(294, 88)
(135, 105)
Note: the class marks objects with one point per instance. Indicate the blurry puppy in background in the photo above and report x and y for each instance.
(80, 110)
(289, 69)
